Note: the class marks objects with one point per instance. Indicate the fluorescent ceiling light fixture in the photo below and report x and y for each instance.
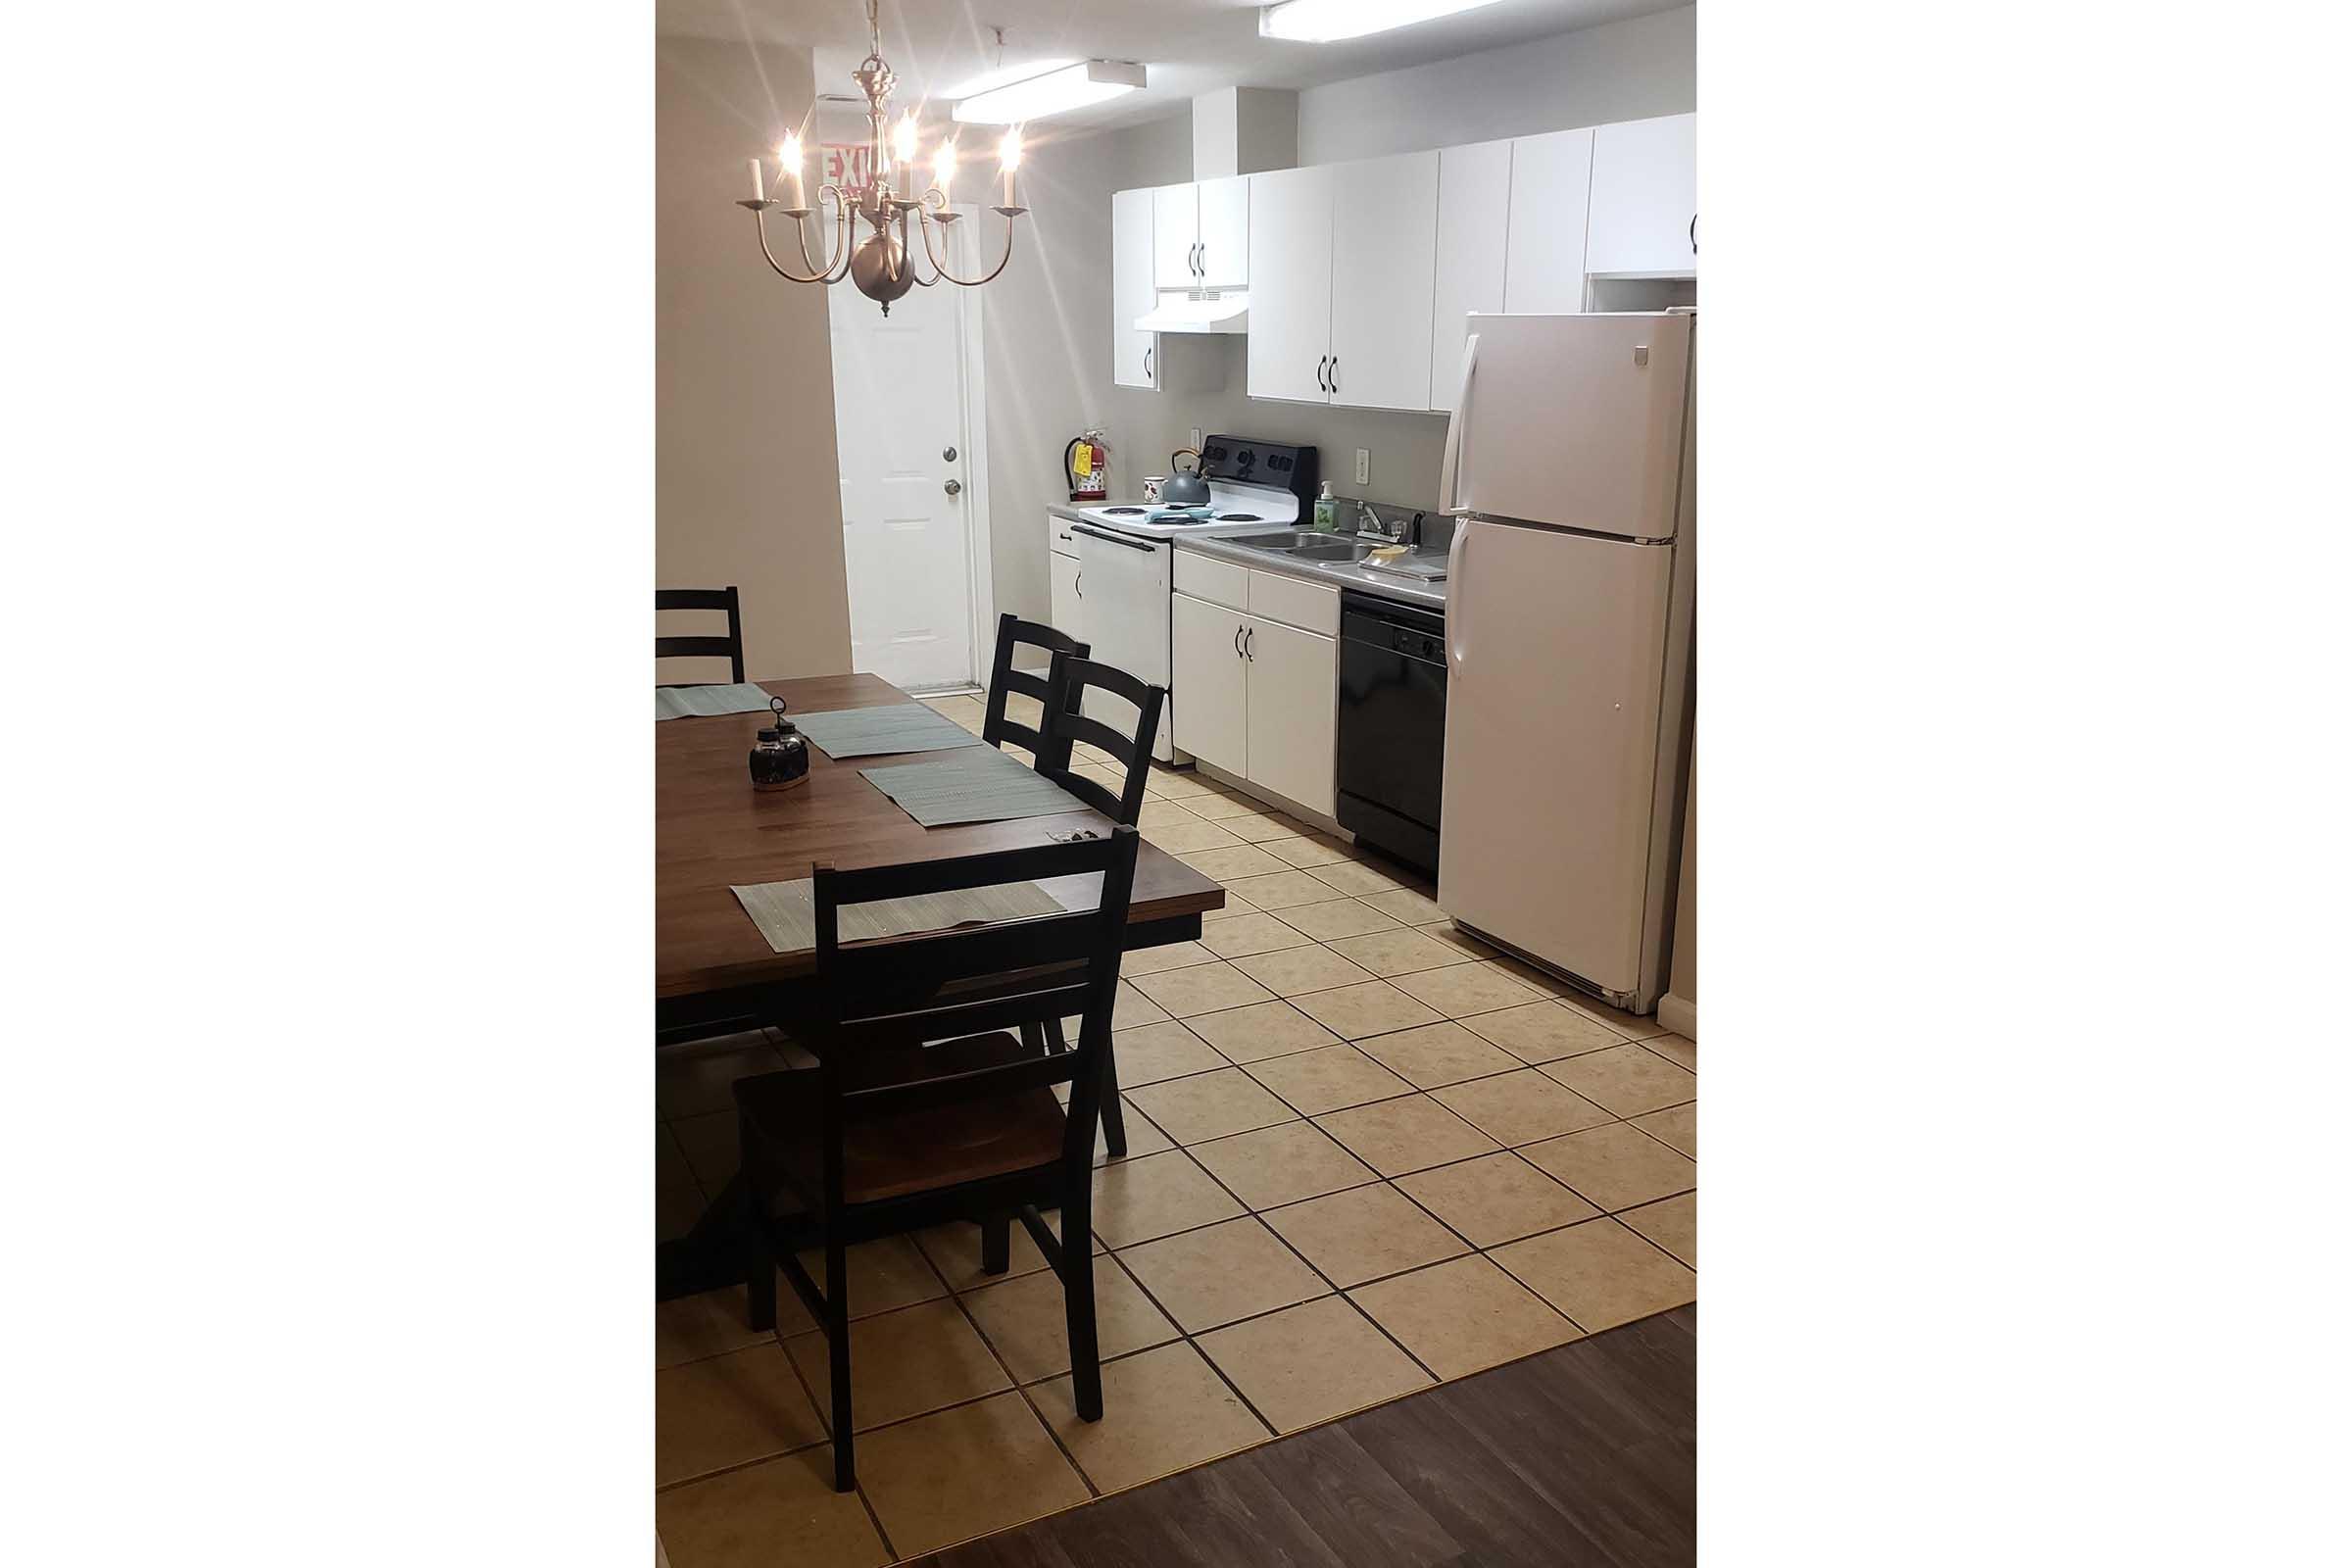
(1327, 21)
(1090, 81)
(1002, 77)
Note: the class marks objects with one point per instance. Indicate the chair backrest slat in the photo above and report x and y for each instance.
(1070, 680)
(1012, 634)
(729, 647)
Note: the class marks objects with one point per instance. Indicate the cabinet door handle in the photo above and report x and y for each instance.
(1250, 644)
(1078, 585)
(1148, 353)
(1694, 233)
(1237, 640)
(1334, 376)
(1321, 361)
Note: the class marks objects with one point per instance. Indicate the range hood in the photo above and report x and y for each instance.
(1181, 312)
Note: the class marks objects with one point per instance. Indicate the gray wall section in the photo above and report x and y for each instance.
(1627, 70)
(747, 483)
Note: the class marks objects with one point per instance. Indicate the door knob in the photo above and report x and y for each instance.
(955, 487)
(949, 454)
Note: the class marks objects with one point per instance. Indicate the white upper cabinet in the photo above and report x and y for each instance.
(1646, 198)
(1175, 236)
(1473, 194)
(1290, 283)
(1543, 265)
(1384, 218)
(1134, 355)
(1223, 258)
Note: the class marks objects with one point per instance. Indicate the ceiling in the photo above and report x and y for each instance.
(1187, 46)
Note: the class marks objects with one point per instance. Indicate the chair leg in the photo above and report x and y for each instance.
(996, 1243)
(837, 1343)
(1078, 1299)
(759, 1255)
(1114, 1120)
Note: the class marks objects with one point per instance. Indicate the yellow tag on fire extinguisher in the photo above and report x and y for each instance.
(1086, 459)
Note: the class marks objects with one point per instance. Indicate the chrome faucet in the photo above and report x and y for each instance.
(1404, 533)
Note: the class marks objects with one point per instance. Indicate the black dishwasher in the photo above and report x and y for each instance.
(1392, 725)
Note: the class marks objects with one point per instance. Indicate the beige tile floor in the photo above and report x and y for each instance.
(1365, 1155)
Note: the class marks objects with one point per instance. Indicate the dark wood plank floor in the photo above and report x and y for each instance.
(1586, 1454)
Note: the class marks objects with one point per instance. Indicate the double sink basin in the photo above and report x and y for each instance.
(1344, 550)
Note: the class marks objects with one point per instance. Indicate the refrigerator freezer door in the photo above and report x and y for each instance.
(1573, 420)
(1555, 649)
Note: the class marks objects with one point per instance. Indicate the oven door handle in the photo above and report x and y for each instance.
(1112, 538)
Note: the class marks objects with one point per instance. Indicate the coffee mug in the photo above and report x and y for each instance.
(1151, 484)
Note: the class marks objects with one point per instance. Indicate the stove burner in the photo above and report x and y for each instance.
(1122, 512)
(1239, 517)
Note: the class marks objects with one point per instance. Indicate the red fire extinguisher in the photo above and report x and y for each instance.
(1086, 462)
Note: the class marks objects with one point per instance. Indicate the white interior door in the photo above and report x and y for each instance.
(1384, 228)
(897, 407)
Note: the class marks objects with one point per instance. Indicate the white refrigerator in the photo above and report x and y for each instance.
(1568, 460)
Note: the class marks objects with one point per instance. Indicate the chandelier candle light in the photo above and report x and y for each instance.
(880, 264)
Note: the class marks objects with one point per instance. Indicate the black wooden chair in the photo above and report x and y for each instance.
(729, 647)
(887, 1135)
(1066, 686)
(1013, 633)
(1065, 724)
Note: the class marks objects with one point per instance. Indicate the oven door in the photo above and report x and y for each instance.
(1123, 583)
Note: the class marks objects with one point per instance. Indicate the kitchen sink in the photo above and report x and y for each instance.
(1302, 544)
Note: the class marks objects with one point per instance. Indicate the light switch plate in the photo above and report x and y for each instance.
(1195, 438)
(1363, 466)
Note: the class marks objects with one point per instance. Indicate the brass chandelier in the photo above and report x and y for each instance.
(881, 265)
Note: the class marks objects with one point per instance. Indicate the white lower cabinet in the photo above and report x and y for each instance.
(1069, 610)
(1293, 702)
(1253, 695)
(1211, 682)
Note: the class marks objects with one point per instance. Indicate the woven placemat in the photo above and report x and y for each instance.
(978, 785)
(786, 911)
(707, 702)
(878, 731)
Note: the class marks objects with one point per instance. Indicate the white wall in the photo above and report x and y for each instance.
(1619, 70)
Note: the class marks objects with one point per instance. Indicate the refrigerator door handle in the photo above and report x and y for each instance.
(1455, 556)
(1449, 472)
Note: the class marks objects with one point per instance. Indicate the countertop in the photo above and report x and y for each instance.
(1382, 585)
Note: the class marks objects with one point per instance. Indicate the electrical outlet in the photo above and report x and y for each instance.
(1363, 466)
(1195, 438)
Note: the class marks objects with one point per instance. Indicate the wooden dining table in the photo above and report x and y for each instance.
(714, 974)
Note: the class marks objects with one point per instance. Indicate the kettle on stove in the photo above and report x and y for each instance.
(1184, 489)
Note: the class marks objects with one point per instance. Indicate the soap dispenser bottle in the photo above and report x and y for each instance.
(1327, 511)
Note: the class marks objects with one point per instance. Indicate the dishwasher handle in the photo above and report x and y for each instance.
(1112, 538)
